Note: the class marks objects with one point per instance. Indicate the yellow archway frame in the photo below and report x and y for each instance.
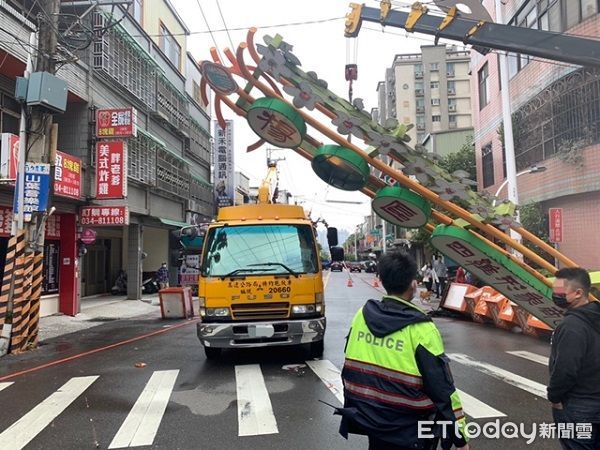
(472, 234)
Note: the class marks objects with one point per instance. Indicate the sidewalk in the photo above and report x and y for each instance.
(96, 311)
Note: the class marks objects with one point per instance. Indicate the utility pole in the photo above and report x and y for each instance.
(511, 167)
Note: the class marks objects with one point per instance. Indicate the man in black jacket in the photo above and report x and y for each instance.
(574, 387)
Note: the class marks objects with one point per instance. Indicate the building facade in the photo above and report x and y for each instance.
(430, 89)
(136, 59)
(556, 121)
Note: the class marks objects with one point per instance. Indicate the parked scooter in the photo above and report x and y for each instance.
(120, 287)
(150, 286)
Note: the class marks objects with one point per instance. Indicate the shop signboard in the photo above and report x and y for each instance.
(556, 225)
(189, 270)
(51, 267)
(104, 215)
(111, 170)
(67, 176)
(224, 165)
(37, 188)
(88, 236)
(9, 156)
(116, 122)
(53, 227)
(6, 218)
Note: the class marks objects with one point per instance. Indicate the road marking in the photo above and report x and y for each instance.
(330, 375)
(530, 356)
(326, 280)
(141, 425)
(5, 385)
(255, 412)
(475, 408)
(20, 433)
(500, 374)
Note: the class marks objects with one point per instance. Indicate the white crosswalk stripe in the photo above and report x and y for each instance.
(141, 425)
(5, 385)
(19, 434)
(500, 374)
(476, 409)
(255, 412)
(330, 375)
(530, 356)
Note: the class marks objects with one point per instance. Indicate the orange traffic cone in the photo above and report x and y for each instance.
(375, 283)
(349, 282)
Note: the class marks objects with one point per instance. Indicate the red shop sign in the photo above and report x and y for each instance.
(104, 215)
(556, 225)
(67, 176)
(111, 170)
(6, 218)
(116, 122)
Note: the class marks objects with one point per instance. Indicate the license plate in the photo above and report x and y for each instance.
(258, 331)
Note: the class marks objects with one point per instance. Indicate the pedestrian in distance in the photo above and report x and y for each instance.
(574, 387)
(441, 272)
(428, 276)
(396, 376)
(162, 276)
(461, 275)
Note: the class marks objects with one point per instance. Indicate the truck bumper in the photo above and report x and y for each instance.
(261, 334)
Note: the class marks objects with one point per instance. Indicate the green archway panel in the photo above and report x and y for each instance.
(276, 122)
(402, 207)
(498, 271)
(341, 167)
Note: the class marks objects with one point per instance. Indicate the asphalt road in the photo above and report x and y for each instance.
(88, 402)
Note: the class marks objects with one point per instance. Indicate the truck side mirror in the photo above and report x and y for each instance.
(332, 236)
(337, 254)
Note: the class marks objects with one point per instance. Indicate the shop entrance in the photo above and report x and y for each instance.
(96, 268)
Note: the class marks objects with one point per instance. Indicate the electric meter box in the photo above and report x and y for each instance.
(47, 91)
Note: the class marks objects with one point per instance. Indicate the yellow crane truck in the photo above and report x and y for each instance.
(261, 281)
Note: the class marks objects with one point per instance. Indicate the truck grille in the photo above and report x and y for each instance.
(260, 311)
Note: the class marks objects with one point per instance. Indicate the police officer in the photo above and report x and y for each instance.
(397, 382)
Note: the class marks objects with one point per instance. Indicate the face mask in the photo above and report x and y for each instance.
(560, 300)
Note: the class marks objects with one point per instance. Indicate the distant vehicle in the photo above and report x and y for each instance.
(336, 266)
(370, 267)
(354, 267)
(326, 264)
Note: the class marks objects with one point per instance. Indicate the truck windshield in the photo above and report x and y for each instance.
(259, 250)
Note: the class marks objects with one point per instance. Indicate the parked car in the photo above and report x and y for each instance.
(336, 266)
(354, 266)
(325, 264)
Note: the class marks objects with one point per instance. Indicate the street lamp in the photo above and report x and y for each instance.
(532, 169)
(356, 244)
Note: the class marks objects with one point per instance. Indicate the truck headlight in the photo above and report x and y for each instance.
(217, 312)
(303, 309)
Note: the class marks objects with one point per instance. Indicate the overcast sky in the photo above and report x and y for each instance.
(320, 47)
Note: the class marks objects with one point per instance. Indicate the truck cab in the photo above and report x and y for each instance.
(261, 280)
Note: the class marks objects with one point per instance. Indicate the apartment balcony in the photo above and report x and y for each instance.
(421, 126)
(451, 91)
(450, 74)
(420, 109)
(418, 75)
(419, 92)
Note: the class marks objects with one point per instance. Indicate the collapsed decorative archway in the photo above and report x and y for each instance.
(425, 195)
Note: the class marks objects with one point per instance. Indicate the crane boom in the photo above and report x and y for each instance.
(482, 35)
(267, 192)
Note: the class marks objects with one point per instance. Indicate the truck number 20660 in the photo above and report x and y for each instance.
(278, 290)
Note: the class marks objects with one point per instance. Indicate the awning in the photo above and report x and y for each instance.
(173, 223)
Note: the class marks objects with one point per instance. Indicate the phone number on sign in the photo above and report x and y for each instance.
(102, 220)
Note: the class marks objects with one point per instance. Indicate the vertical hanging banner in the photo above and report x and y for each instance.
(111, 170)
(9, 156)
(556, 225)
(67, 176)
(37, 189)
(116, 122)
(224, 166)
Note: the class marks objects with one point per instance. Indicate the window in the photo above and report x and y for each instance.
(450, 69)
(436, 118)
(452, 104)
(9, 115)
(433, 66)
(588, 8)
(503, 161)
(419, 86)
(169, 46)
(435, 101)
(434, 85)
(418, 70)
(452, 87)
(196, 92)
(452, 118)
(420, 103)
(281, 246)
(136, 10)
(487, 163)
(484, 88)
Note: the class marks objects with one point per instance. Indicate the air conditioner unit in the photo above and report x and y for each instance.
(420, 109)
(451, 91)
(452, 108)
(418, 74)
(419, 92)
(450, 74)
(435, 101)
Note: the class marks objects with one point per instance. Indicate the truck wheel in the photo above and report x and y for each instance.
(212, 353)
(316, 349)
